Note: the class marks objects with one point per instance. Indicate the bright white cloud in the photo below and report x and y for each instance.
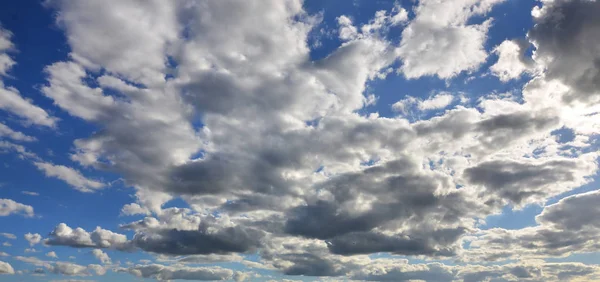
(511, 62)
(440, 42)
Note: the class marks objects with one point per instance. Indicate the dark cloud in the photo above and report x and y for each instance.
(566, 35)
(519, 182)
(188, 242)
(431, 243)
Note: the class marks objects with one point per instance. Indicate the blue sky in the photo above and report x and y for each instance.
(302, 140)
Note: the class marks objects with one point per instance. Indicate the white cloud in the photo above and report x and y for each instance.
(8, 235)
(101, 256)
(94, 31)
(9, 207)
(6, 268)
(436, 102)
(51, 254)
(33, 239)
(14, 135)
(511, 62)
(11, 100)
(438, 41)
(70, 176)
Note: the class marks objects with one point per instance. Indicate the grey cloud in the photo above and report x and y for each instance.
(187, 242)
(523, 182)
(566, 35)
(401, 192)
(561, 230)
(432, 243)
(310, 265)
(430, 273)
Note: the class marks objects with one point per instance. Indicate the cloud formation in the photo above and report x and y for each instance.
(223, 106)
(9, 207)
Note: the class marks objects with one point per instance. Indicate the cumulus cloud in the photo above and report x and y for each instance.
(561, 230)
(512, 62)
(101, 256)
(272, 154)
(439, 41)
(33, 239)
(6, 268)
(63, 235)
(9, 207)
(51, 254)
(569, 53)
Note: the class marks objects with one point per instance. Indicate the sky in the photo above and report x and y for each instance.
(290, 140)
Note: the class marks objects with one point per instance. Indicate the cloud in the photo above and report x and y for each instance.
(512, 62)
(101, 256)
(272, 153)
(33, 239)
(439, 41)
(141, 57)
(6, 268)
(436, 102)
(51, 254)
(6, 62)
(526, 182)
(560, 231)
(12, 101)
(63, 235)
(14, 135)
(569, 53)
(63, 268)
(163, 273)
(30, 193)
(8, 207)
(71, 269)
(8, 235)
(70, 176)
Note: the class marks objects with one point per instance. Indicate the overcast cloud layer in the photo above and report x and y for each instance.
(249, 158)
